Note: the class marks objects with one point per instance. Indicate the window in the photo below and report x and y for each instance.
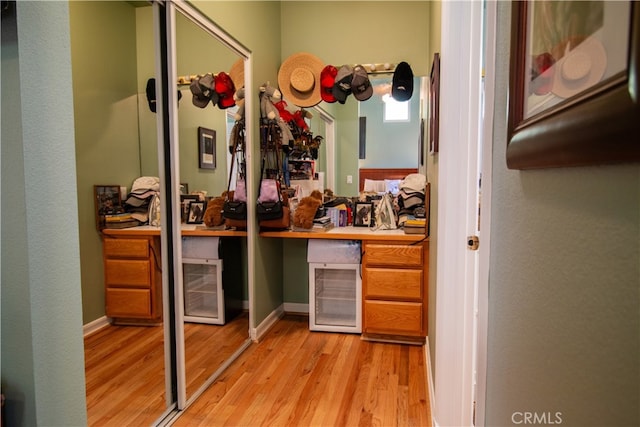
(395, 111)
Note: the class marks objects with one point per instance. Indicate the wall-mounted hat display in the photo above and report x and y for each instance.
(237, 73)
(151, 94)
(360, 84)
(402, 82)
(299, 79)
(342, 87)
(327, 80)
(202, 91)
(225, 89)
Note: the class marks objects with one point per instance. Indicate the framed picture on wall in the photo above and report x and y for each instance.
(434, 105)
(573, 89)
(206, 148)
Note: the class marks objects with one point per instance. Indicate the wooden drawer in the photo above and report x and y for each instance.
(126, 248)
(393, 255)
(128, 302)
(393, 283)
(123, 272)
(393, 317)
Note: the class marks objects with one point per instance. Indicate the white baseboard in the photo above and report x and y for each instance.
(95, 326)
(294, 307)
(432, 398)
(267, 323)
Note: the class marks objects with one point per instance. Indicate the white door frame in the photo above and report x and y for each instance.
(330, 144)
(462, 274)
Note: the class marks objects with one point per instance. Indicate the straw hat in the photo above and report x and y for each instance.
(237, 73)
(299, 79)
(580, 68)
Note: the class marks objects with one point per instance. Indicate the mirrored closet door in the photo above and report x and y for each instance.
(211, 281)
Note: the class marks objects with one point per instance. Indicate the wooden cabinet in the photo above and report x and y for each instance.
(394, 290)
(133, 279)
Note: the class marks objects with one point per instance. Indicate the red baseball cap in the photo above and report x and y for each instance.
(225, 89)
(327, 80)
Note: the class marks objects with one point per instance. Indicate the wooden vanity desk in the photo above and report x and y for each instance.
(395, 271)
(133, 271)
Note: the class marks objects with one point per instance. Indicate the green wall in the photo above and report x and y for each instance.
(42, 346)
(564, 319)
(105, 97)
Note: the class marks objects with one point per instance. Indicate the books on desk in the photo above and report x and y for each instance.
(320, 225)
(415, 226)
(124, 220)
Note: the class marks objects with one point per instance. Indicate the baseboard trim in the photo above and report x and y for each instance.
(267, 323)
(296, 308)
(95, 326)
(432, 400)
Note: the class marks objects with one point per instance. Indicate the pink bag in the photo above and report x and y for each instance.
(269, 191)
(240, 194)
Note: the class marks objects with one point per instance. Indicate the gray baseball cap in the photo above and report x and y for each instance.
(342, 87)
(360, 84)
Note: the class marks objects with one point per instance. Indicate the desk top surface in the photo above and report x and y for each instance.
(336, 233)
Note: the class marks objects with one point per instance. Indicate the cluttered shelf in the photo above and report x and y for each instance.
(186, 230)
(349, 233)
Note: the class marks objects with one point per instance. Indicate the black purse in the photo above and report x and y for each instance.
(234, 209)
(269, 210)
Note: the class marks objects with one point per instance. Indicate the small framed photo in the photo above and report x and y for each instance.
(185, 200)
(363, 214)
(206, 148)
(108, 201)
(184, 188)
(196, 212)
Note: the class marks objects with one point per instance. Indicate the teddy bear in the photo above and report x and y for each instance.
(213, 214)
(306, 210)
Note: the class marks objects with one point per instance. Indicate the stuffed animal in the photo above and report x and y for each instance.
(285, 114)
(239, 98)
(306, 210)
(298, 118)
(269, 95)
(213, 214)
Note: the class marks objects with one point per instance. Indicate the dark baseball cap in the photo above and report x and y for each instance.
(360, 84)
(402, 83)
(342, 88)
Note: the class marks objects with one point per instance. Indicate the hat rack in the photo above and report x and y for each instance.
(379, 68)
(186, 80)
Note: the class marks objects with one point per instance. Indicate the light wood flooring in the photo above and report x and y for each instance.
(124, 368)
(295, 377)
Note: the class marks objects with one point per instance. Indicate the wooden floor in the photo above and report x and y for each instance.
(124, 368)
(295, 377)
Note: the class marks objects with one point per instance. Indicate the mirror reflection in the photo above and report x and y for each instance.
(387, 124)
(113, 57)
(216, 321)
